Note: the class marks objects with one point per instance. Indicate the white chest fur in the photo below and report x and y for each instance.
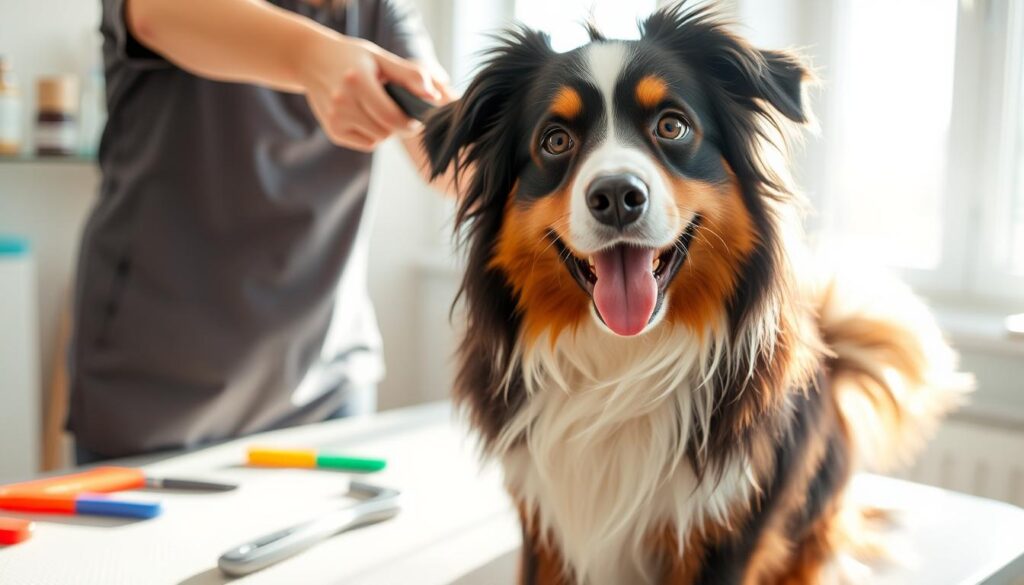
(606, 427)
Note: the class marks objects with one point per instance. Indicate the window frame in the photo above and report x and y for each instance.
(1002, 21)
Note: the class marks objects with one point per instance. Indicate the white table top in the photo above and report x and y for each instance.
(456, 526)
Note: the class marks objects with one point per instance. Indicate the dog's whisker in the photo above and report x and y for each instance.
(551, 242)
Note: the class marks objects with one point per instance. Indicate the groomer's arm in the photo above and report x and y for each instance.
(251, 41)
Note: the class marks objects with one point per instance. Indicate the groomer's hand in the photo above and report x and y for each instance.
(343, 78)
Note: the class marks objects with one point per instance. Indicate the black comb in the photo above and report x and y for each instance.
(413, 106)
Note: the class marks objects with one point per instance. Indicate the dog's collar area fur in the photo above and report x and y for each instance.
(600, 450)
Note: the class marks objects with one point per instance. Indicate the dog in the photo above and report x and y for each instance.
(675, 392)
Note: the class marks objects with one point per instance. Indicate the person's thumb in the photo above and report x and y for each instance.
(407, 74)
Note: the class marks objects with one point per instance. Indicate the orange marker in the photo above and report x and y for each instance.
(266, 457)
(98, 480)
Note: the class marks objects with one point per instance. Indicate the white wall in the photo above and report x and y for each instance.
(19, 368)
(405, 223)
(47, 203)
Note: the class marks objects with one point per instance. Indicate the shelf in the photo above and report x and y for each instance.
(28, 159)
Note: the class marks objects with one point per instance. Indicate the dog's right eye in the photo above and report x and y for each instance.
(672, 126)
(556, 142)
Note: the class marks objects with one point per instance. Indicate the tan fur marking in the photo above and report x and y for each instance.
(547, 295)
(894, 376)
(686, 568)
(541, 564)
(777, 559)
(725, 238)
(651, 91)
(567, 103)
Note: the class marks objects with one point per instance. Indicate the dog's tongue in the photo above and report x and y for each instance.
(625, 291)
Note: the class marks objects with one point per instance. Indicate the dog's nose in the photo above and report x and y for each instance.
(617, 200)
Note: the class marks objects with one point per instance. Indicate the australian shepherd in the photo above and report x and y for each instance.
(675, 393)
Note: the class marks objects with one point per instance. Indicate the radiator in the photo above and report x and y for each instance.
(976, 458)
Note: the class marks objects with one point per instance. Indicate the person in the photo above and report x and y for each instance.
(221, 284)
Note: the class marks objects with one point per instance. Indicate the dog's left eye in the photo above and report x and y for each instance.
(671, 126)
(557, 141)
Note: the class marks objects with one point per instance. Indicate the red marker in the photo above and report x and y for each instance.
(15, 530)
(80, 493)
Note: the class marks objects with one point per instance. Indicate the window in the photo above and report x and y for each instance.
(563, 19)
(1014, 260)
(920, 159)
(890, 107)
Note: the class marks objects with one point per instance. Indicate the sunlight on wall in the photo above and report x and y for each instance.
(564, 19)
(893, 104)
(1016, 217)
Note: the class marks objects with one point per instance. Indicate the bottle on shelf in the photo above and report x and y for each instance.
(57, 118)
(10, 111)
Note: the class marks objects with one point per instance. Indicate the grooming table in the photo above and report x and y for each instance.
(456, 525)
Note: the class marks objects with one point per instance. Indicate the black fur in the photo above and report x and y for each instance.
(811, 419)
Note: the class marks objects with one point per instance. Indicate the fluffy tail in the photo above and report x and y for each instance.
(893, 373)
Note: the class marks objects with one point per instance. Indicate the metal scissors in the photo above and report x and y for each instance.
(380, 504)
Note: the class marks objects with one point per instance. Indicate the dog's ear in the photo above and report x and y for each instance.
(748, 75)
(776, 77)
(459, 132)
(448, 130)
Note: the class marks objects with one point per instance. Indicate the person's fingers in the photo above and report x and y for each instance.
(360, 119)
(383, 109)
(413, 129)
(406, 73)
(446, 91)
(324, 110)
(347, 111)
(338, 128)
(442, 84)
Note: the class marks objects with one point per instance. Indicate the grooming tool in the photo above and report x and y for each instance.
(415, 107)
(15, 530)
(171, 483)
(381, 504)
(267, 457)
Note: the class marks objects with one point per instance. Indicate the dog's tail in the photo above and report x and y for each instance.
(893, 374)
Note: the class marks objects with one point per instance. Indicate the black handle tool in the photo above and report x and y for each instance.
(415, 107)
